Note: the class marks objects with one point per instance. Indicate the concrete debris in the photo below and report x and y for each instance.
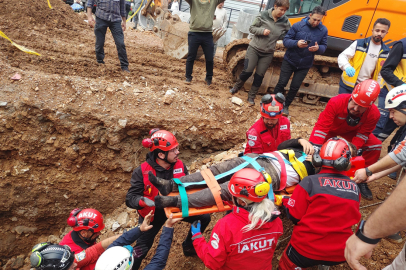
(123, 219)
(169, 97)
(115, 226)
(122, 123)
(126, 84)
(193, 128)
(3, 104)
(237, 101)
(24, 229)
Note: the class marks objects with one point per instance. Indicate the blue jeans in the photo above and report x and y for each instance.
(196, 39)
(385, 125)
(100, 30)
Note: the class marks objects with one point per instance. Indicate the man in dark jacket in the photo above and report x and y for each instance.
(268, 27)
(163, 162)
(304, 40)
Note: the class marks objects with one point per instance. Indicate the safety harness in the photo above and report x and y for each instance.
(211, 181)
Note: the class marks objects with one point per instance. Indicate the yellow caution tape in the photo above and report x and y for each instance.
(135, 13)
(49, 4)
(22, 48)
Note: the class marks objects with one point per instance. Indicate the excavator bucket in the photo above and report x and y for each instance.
(174, 32)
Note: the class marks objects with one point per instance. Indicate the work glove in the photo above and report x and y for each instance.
(195, 228)
(145, 202)
(350, 71)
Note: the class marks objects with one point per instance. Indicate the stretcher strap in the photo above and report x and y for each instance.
(214, 188)
(297, 165)
(283, 177)
(183, 197)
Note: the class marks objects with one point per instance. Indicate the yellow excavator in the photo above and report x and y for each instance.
(346, 21)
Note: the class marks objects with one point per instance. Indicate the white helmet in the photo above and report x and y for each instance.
(116, 258)
(395, 97)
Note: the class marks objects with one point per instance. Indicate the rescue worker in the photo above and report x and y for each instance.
(323, 208)
(395, 104)
(304, 40)
(86, 224)
(268, 27)
(364, 58)
(353, 117)
(284, 168)
(162, 161)
(394, 74)
(247, 237)
(106, 260)
(47, 256)
(271, 129)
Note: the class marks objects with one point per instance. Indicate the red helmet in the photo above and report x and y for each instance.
(272, 105)
(86, 219)
(335, 153)
(160, 139)
(250, 184)
(365, 93)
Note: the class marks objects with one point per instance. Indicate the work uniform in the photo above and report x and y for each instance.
(298, 61)
(230, 247)
(141, 187)
(260, 51)
(332, 122)
(366, 58)
(261, 140)
(77, 245)
(274, 166)
(394, 74)
(200, 34)
(324, 207)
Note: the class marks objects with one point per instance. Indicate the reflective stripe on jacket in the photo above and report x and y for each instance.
(400, 70)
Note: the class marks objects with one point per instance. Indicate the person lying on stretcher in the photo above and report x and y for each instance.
(294, 168)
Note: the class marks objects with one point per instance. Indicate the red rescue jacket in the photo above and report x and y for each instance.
(231, 248)
(325, 206)
(150, 191)
(332, 122)
(261, 140)
(67, 240)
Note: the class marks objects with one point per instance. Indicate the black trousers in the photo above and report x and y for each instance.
(298, 76)
(196, 39)
(305, 262)
(144, 243)
(117, 32)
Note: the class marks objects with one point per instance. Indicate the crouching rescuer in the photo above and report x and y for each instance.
(323, 208)
(162, 162)
(247, 237)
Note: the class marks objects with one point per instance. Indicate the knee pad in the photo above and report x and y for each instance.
(245, 75)
(257, 80)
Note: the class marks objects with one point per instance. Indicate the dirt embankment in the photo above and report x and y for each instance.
(70, 130)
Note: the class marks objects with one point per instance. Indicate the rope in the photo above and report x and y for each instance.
(365, 206)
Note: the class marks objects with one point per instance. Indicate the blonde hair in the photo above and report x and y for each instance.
(259, 213)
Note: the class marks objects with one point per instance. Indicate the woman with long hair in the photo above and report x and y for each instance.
(247, 237)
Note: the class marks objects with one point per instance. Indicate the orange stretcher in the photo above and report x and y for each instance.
(216, 191)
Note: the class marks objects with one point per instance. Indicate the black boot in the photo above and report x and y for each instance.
(166, 201)
(237, 86)
(251, 101)
(251, 95)
(366, 193)
(164, 186)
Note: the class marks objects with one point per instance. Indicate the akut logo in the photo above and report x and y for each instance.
(158, 134)
(371, 88)
(87, 215)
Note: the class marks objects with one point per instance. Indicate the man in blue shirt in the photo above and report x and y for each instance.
(109, 14)
(303, 41)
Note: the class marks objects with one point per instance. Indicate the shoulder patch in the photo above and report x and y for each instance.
(284, 127)
(215, 236)
(179, 170)
(252, 137)
(80, 256)
(251, 143)
(291, 202)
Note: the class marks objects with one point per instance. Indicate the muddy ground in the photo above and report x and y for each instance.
(71, 130)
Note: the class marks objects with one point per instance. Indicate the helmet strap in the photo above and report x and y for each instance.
(88, 240)
(246, 207)
(166, 158)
